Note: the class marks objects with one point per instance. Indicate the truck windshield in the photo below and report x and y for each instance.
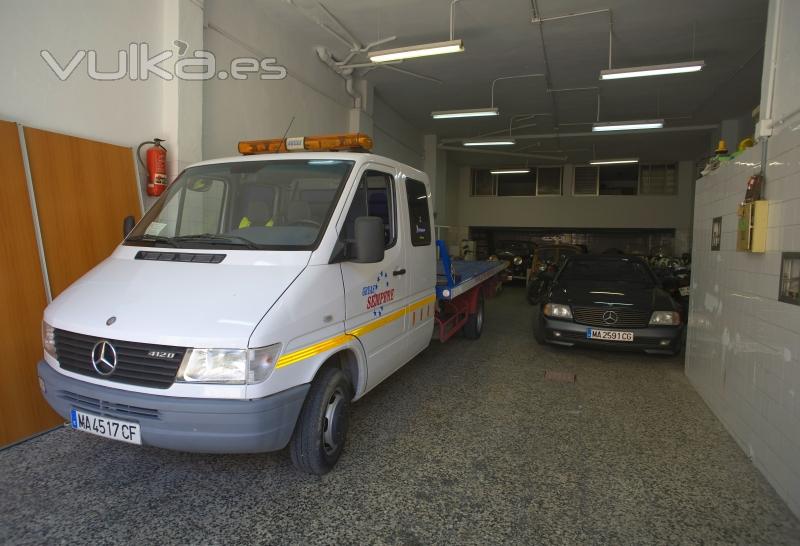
(255, 205)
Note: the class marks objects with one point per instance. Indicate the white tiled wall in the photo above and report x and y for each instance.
(743, 348)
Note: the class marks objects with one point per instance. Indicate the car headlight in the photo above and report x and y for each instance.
(49, 339)
(517, 260)
(557, 310)
(665, 318)
(229, 366)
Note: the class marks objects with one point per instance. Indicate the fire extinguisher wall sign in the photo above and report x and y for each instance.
(156, 166)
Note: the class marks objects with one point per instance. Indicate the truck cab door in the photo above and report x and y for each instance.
(420, 260)
(376, 294)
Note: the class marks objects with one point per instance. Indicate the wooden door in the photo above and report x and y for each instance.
(23, 411)
(84, 190)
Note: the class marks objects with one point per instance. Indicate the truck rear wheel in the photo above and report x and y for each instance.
(474, 325)
(320, 432)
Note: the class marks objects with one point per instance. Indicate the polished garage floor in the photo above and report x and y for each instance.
(468, 444)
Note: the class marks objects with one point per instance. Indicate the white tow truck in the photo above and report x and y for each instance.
(256, 299)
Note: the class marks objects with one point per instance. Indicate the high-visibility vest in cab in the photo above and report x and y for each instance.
(247, 223)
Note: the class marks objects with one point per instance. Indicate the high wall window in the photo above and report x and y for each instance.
(548, 181)
(539, 181)
(618, 179)
(658, 179)
(483, 183)
(516, 184)
(585, 182)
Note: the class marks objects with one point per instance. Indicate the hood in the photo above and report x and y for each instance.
(595, 294)
(186, 304)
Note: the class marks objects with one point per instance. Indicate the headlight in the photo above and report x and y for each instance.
(48, 339)
(517, 260)
(230, 366)
(665, 318)
(557, 310)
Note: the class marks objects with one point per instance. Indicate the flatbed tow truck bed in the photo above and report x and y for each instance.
(461, 287)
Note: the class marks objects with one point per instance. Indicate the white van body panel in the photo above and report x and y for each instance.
(310, 303)
(172, 303)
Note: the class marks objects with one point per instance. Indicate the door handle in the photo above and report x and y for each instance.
(398, 272)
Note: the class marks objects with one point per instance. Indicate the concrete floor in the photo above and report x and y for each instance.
(467, 444)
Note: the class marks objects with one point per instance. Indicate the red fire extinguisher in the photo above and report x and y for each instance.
(156, 166)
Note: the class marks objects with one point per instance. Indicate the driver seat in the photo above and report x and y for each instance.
(297, 211)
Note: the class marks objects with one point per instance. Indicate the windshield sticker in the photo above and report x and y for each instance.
(378, 294)
(155, 228)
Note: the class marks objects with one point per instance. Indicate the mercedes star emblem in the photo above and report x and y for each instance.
(610, 317)
(104, 358)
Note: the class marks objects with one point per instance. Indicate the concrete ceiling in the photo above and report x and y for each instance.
(501, 40)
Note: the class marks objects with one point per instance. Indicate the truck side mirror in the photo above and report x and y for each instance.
(369, 243)
(127, 225)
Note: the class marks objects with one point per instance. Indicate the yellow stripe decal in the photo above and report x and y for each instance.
(340, 339)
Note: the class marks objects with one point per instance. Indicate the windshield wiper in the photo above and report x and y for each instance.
(212, 238)
(151, 239)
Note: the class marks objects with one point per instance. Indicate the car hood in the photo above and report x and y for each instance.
(175, 303)
(595, 294)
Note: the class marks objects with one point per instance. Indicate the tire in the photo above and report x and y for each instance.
(474, 325)
(538, 332)
(321, 429)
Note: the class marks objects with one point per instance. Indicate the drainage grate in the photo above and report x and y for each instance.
(561, 377)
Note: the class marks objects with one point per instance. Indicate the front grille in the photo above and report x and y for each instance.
(134, 365)
(626, 318)
(107, 409)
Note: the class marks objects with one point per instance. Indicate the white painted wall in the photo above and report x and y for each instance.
(394, 137)
(235, 110)
(568, 210)
(743, 347)
(124, 112)
(316, 97)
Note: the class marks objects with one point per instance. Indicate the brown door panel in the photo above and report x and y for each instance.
(23, 411)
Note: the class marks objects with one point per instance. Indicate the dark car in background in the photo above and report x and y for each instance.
(518, 255)
(610, 301)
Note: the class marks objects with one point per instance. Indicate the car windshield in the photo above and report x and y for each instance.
(255, 205)
(517, 247)
(621, 270)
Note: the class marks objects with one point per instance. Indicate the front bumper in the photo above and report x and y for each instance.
(185, 424)
(658, 340)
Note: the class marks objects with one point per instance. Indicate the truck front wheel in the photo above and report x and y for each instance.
(474, 325)
(321, 429)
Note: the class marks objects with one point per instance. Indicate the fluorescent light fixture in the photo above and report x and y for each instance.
(471, 113)
(494, 142)
(510, 171)
(628, 125)
(652, 70)
(612, 161)
(421, 50)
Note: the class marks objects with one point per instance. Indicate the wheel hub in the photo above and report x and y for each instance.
(333, 426)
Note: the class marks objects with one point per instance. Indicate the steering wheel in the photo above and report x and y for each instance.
(306, 222)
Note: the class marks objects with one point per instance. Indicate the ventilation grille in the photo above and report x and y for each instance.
(180, 257)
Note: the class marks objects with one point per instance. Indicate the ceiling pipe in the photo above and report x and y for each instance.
(494, 81)
(688, 128)
(346, 73)
(510, 154)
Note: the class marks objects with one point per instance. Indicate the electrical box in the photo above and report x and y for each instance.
(751, 232)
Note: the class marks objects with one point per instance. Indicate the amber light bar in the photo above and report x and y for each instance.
(325, 143)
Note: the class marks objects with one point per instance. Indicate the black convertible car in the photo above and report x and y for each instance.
(609, 301)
